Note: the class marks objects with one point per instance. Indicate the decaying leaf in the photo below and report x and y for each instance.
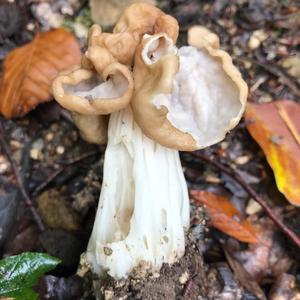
(276, 128)
(267, 258)
(224, 216)
(285, 287)
(244, 278)
(30, 69)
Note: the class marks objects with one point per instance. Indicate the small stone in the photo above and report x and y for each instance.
(184, 277)
(45, 13)
(212, 178)
(224, 145)
(257, 37)
(54, 127)
(108, 294)
(292, 64)
(49, 136)
(247, 64)
(67, 9)
(60, 150)
(38, 144)
(242, 160)
(34, 153)
(155, 275)
(271, 55)
(282, 50)
(237, 51)
(84, 266)
(265, 98)
(80, 31)
(4, 164)
(253, 43)
(30, 26)
(253, 207)
(15, 145)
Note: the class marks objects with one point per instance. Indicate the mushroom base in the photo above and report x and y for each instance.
(144, 204)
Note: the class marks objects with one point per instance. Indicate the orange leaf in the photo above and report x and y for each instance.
(30, 69)
(276, 128)
(224, 216)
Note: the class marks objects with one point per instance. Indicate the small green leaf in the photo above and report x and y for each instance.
(19, 273)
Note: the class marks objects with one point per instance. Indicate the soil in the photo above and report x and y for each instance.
(190, 278)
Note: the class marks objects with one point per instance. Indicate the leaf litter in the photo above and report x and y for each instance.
(273, 25)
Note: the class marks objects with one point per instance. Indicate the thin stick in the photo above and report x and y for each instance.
(229, 171)
(66, 164)
(16, 172)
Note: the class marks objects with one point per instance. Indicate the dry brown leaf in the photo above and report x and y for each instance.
(224, 216)
(244, 278)
(30, 69)
(276, 128)
(267, 258)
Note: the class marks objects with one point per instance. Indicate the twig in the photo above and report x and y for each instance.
(276, 219)
(19, 179)
(278, 72)
(56, 173)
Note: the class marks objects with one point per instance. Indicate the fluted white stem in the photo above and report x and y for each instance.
(144, 204)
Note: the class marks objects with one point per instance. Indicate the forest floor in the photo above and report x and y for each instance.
(61, 175)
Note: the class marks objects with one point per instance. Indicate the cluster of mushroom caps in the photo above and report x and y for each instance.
(148, 99)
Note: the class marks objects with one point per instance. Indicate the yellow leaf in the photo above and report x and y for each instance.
(276, 128)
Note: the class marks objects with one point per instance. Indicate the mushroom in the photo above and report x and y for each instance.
(182, 99)
(137, 20)
(186, 99)
(91, 94)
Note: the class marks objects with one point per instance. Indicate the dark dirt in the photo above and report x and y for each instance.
(190, 278)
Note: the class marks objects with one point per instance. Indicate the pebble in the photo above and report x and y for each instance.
(60, 150)
(34, 154)
(253, 207)
(15, 145)
(212, 178)
(242, 160)
(184, 277)
(38, 144)
(257, 37)
(80, 31)
(4, 164)
(108, 295)
(49, 136)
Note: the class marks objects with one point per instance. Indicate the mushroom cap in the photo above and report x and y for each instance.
(200, 36)
(86, 92)
(187, 101)
(152, 79)
(137, 20)
(141, 18)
